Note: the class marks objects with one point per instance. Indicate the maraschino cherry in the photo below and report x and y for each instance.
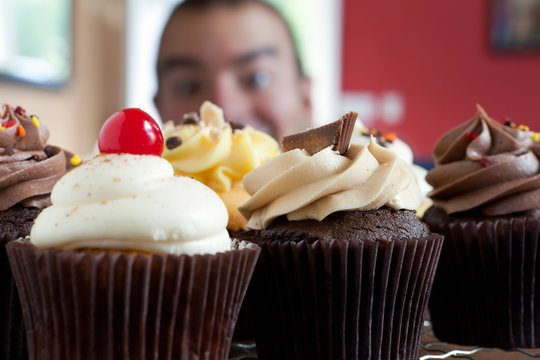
(131, 131)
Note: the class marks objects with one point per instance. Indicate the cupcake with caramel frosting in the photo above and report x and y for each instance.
(486, 199)
(346, 267)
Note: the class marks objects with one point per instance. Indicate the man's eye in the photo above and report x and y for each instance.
(186, 87)
(259, 79)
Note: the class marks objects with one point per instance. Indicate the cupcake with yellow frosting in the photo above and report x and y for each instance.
(131, 261)
(218, 154)
(346, 267)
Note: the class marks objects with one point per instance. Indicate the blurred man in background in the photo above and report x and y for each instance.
(239, 54)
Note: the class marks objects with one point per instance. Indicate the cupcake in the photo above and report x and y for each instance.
(28, 170)
(486, 200)
(345, 267)
(218, 154)
(130, 261)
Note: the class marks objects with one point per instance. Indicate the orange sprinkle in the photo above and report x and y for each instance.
(390, 136)
(21, 131)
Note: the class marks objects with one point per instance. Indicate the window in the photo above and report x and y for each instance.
(35, 41)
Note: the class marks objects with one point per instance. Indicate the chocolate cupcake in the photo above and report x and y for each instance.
(130, 261)
(28, 170)
(486, 199)
(345, 268)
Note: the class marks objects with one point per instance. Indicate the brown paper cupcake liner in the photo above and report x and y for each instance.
(342, 300)
(15, 222)
(486, 292)
(12, 338)
(118, 306)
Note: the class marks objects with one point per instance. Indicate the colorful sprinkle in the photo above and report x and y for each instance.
(484, 161)
(523, 127)
(19, 110)
(21, 131)
(471, 135)
(390, 136)
(535, 136)
(8, 124)
(508, 122)
(75, 160)
(35, 120)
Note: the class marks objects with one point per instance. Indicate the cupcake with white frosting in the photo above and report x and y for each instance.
(131, 261)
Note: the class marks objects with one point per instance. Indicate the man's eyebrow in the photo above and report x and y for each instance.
(180, 61)
(254, 54)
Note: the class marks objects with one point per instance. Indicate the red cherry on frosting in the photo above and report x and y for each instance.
(131, 131)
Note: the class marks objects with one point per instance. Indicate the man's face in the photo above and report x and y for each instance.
(240, 58)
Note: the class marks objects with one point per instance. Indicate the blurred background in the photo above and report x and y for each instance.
(417, 67)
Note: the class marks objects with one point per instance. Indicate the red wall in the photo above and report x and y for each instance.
(437, 54)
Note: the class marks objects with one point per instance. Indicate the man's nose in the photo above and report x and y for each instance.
(229, 95)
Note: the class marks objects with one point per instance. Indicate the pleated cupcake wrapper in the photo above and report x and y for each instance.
(118, 306)
(486, 291)
(12, 339)
(342, 300)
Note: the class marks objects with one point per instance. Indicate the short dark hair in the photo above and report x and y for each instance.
(199, 5)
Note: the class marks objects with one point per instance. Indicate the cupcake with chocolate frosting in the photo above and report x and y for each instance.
(29, 168)
(346, 266)
(486, 199)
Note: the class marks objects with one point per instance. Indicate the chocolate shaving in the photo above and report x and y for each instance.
(235, 125)
(190, 118)
(336, 134)
(48, 150)
(173, 142)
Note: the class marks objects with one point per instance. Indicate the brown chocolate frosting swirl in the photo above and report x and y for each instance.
(28, 167)
(486, 167)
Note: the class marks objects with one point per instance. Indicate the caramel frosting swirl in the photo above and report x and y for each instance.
(28, 167)
(303, 186)
(486, 167)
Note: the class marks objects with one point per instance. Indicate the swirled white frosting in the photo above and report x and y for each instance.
(132, 202)
(304, 186)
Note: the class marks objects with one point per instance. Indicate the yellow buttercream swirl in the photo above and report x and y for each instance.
(215, 154)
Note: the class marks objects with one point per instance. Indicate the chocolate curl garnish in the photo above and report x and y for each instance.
(336, 134)
(235, 125)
